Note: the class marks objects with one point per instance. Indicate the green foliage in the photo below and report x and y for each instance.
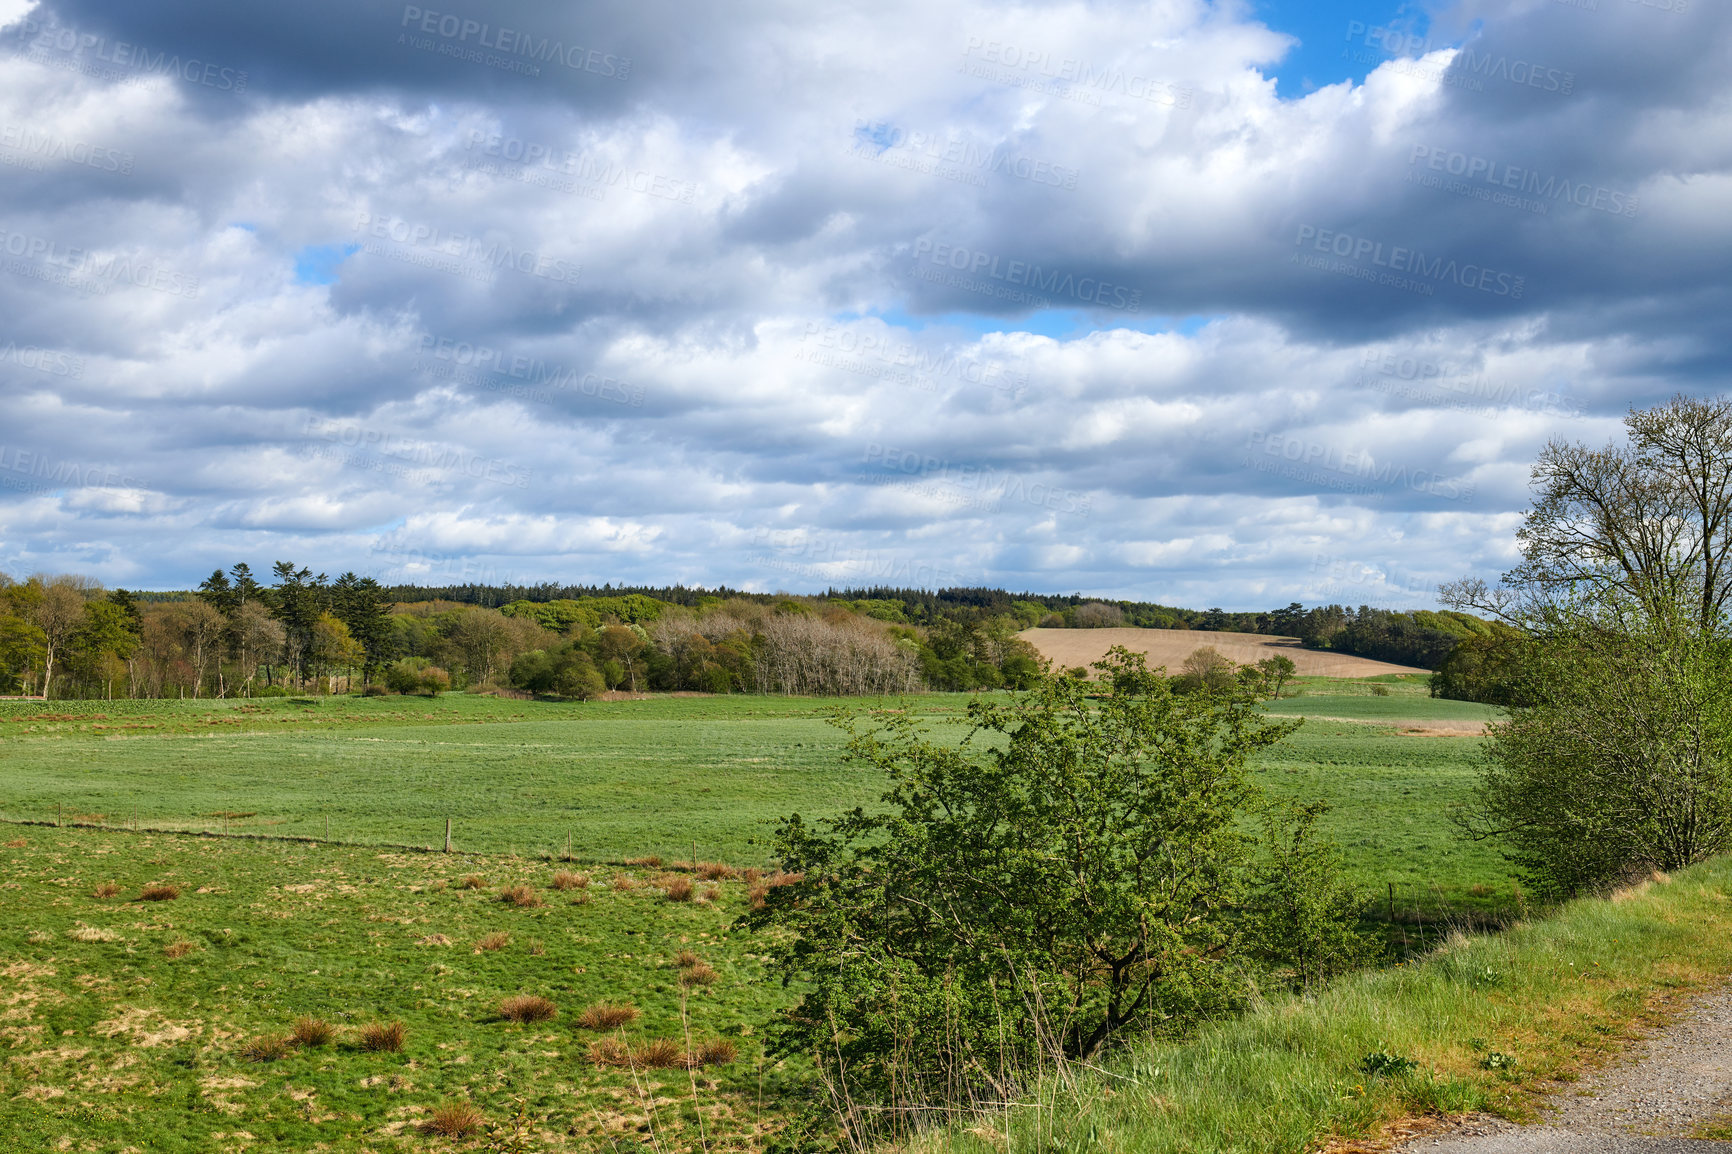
(563, 615)
(1622, 760)
(1303, 910)
(1484, 668)
(1383, 1064)
(1050, 890)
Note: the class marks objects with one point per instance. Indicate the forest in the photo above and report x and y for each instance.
(297, 632)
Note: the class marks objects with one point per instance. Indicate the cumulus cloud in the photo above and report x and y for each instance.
(1056, 297)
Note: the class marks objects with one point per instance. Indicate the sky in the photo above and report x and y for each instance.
(1211, 304)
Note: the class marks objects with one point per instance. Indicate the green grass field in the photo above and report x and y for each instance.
(637, 778)
(127, 1023)
(111, 1037)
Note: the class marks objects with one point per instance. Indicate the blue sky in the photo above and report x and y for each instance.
(1122, 299)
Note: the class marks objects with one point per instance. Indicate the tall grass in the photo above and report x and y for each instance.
(1483, 1018)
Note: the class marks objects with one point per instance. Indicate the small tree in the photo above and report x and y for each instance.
(1038, 898)
(1206, 669)
(1303, 911)
(1277, 671)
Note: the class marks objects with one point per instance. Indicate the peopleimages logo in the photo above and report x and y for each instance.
(1476, 170)
(532, 48)
(1026, 274)
(1409, 261)
(1362, 466)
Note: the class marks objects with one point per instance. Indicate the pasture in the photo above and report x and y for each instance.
(673, 777)
(128, 1016)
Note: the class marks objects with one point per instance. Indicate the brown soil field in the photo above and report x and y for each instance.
(1170, 647)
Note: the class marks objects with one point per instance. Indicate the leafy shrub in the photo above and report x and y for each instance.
(383, 1037)
(313, 1032)
(527, 1008)
(375, 691)
(1302, 912)
(608, 1016)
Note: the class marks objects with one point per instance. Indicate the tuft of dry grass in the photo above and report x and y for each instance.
(473, 882)
(383, 1037)
(714, 871)
(453, 1120)
(522, 896)
(268, 1048)
(496, 940)
(659, 1054)
(608, 1016)
(624, 883)
(159, 892)
(685, 959)
(179, 948)
(699, 974)
(17, 843)
(106, 890)
(313, 1032)
(433, 940)
(438, 887)
(761, 888)
(718, 1052)
(679, 889)
(710, 895)
(751, 874)
(609, 1052)
(527, 1008)
(566, 880)
(651, 862)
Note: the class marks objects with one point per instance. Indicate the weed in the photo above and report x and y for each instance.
(1383, 1064)
(679, 889)
(566, 880)
(159, 892)
(106, 890)
(268, 1048)
(473, 882)
(608, 1016)
(313, 1032)
(1497, 1060)
(527, 1008)
(453, 1120)
(494, 941)
(383, 1037)
(521, 896)
(699, 974)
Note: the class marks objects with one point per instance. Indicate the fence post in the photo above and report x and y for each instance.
(447, 835)
(1392, 902)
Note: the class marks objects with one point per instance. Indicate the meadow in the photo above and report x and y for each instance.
(125, 1017)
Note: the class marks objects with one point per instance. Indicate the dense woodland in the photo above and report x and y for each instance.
(295, 631)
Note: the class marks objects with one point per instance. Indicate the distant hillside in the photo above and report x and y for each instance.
(1169, 647)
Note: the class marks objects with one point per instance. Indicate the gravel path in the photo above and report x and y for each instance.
(1668, 1083)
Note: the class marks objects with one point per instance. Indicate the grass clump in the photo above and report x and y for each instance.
(312, 1032)
(679, 889)
(383, 1037)
(658, 1054)
(106, 890)
(566, 880)
(523, 897)
(453, 1120)
(179, 948)
(686, 959)
(159, 892)
(473, 882)
(699, 974)
(608, 1016)
(268, 1048)
(717, 1052)
(84, 933)
(497, 940)
(527, 1008)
